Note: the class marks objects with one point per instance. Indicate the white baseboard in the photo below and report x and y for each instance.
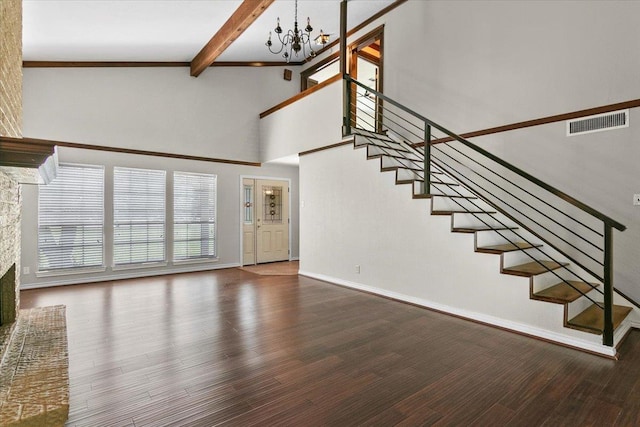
(127, 274)
(294, 258)
(479, 317)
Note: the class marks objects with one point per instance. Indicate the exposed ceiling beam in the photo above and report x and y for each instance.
(241, 19)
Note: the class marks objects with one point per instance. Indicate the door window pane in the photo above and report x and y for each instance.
(272, 204)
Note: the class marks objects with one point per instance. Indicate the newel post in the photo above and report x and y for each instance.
(426, 186)
(346, 97)
(607, 335)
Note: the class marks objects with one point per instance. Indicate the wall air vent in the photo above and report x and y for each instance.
(598, 123)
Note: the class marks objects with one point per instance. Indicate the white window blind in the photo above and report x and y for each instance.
(138, 216)
(194, 216)
(71, 219)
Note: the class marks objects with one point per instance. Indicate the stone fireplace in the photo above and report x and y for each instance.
(11, 126)
(9, 249)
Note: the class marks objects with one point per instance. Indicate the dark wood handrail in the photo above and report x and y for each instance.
(635, 103)
(301, 95)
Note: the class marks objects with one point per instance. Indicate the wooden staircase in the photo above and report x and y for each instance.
(550, 280)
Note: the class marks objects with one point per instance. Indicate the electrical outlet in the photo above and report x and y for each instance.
(26, 270)
(636, 199)
(357, 269)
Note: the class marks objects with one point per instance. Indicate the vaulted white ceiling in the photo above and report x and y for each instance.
(166, 30)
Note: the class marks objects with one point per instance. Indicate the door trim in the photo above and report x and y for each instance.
(240, 209)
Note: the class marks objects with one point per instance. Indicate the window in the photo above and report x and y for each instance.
(71, 219)
(248, 204)
(138, 216)
(194, 216)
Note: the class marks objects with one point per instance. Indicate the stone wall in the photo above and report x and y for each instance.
(11, 68)
(10, 240)
(10, 125)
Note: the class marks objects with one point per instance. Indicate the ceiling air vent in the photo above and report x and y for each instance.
(598, 123)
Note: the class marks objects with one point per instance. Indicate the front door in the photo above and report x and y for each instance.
(266, 221)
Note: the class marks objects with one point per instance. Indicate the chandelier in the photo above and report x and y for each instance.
(296, 40)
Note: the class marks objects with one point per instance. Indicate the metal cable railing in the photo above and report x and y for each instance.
(571, 230)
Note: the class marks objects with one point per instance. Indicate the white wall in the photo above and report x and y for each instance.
(359, 217)
(228, 213)
(311, 122)
(157, 109)
(480, 64)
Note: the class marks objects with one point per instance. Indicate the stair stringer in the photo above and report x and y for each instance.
(407, 254)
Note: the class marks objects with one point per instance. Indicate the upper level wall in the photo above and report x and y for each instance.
(311, 122)
(489, 63)
(156, 109)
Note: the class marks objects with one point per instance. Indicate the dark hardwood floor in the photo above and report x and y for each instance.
(235, 348)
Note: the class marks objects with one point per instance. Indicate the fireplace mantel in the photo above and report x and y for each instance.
(28, 160)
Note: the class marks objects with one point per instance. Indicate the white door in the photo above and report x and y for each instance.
(265, 232)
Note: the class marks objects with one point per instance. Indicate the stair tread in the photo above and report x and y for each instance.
(401, 168)
(393, 156)
(592, 319)
(455, 196)
(399, 148)
(461, 210)
(533, 268)
(506, 247)
(563, 293)
(372, 134)
(398, 167)
(473, 229)
(409, 181)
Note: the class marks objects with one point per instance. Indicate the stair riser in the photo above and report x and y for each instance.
(371, 139)
(407, 175)
(454, 204)
(360, 141)
(490, 238)
(471, 220)
(597, 297)
(544, 281)
(581, 304)
(393, 150)
(441, 189)
(521, 257)
(390, 162)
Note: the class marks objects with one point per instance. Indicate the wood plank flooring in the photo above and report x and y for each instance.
(238, 349)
